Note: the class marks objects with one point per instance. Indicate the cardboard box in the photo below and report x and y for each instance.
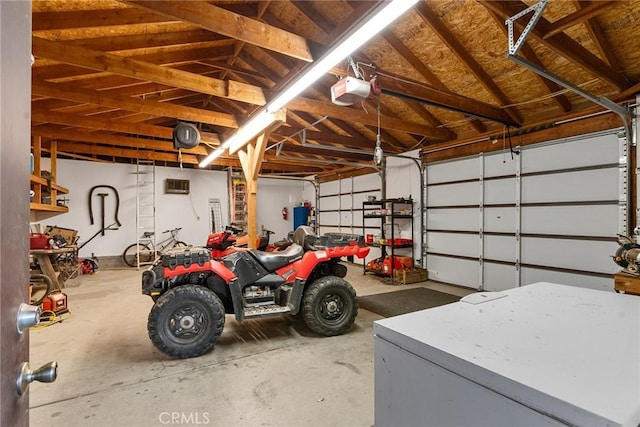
(69, 235)
(411, 275)
(626, 283)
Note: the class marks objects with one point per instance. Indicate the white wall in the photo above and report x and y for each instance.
(172, 210)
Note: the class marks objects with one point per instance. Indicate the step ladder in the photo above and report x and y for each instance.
(145, 205)
(215, 216)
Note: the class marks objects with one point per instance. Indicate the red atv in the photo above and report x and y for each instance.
(192, 292)
(225, 242)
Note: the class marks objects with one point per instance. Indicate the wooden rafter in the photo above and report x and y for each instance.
(425, 72)
(70, 93)
(145, 71)
(583, 14)
(465, 57)
(331, 110)
(561, 44)
(106, 124)
(110, 139)
(598, 37)
(225, 22)
(527, 52)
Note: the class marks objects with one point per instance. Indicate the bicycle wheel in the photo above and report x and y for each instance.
(130, 255)
(41, 286)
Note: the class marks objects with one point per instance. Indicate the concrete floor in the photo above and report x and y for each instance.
(268, 372)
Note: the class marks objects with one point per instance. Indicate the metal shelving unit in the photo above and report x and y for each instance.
(389, 212)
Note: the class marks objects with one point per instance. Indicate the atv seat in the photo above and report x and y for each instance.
(305, 237)
(274, 260)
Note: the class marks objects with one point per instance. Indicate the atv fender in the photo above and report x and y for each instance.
(214, 266)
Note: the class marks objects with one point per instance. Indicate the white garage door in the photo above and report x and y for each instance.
(551, 213)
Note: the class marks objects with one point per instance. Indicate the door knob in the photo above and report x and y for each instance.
(46, 373)
(28, 316)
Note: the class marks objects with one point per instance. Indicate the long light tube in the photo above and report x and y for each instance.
(366, 31)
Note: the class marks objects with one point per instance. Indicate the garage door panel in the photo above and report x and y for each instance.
(330, 203)
(500, 191)
(346, 201)
(465, 219)
(584, 255)
(589, 185)
(589, 151)
(499, 277)
(453, 171)
(571, 220)
(330, 218)
(501, 248)
(454, 244)
(500, 220)
(465, 193)
(499, 165)
(456, 271)
(534, 275)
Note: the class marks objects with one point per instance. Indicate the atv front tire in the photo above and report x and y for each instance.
(329, 306)
(186, 321)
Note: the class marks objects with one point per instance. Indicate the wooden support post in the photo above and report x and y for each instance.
(251, 157)
(37, 153)
(54, 170)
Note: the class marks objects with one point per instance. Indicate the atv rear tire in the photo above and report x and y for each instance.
(186, 321)
(329, 306)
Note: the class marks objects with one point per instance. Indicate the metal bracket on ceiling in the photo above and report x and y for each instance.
(514, 47)
(537, 10)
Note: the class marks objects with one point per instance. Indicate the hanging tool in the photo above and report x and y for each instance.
(95, 187)
(102, 196)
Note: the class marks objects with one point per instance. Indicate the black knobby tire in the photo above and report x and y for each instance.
(329, 306)
(130, 255)
(186, 321)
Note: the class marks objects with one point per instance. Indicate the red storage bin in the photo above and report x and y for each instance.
(38, 241)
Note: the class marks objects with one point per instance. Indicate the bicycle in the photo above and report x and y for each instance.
(147, 251)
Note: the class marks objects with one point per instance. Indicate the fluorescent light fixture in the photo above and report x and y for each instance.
(366, 31)
(242, 135)
(389, 13)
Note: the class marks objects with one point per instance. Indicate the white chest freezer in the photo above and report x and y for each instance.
(542, 354)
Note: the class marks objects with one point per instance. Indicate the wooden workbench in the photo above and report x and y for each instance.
(46, 259)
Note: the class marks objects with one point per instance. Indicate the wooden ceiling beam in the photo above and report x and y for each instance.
(425, 94)
(345, 113)
(598, 37)
(71, 19)
(425, 72)
(561, 43)
(104, 124)
(97, 150)
(591, 11)
(147, 40)
(180, 61)
(54, 133)
(70, 93)
(230, 24)
(454, 44)
(145, 71)
(530, 54)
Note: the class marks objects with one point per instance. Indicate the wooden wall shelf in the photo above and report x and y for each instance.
(40, 186)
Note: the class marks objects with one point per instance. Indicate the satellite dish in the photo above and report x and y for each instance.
(185, 135)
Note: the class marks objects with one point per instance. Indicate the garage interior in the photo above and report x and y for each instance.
(472, 165)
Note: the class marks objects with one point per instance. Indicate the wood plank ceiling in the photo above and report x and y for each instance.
(112, 78)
